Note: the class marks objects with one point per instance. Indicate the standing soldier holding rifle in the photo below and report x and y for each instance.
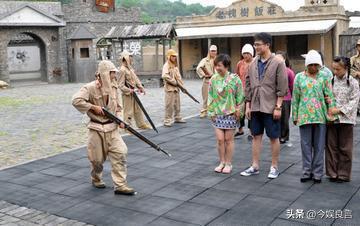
(104, 139)
(128, 82)
(172, 80)
(205, 70)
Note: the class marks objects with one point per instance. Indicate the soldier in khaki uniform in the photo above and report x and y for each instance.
(208, 64)
(128, 77)
(104, 139)
(172, 77)
(355, 67)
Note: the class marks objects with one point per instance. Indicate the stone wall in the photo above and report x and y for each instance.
(56, 66)
(82, 13)
(55, 40)
(79, 13)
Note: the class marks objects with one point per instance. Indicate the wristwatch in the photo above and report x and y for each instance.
(277, 107)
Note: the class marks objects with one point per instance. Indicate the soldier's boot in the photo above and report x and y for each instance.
(167, 123)
(99, 184)
(203, 114)
(145, 126)
(180, 120)
(124, 190)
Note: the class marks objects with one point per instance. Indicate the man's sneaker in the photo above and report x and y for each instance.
(249, 172)
(99, 184)
(124, 190)
(274, 173)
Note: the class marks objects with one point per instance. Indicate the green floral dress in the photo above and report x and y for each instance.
(225, 95)
(312, 97)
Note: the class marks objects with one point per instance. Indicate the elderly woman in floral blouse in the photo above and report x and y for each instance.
(225, 103)
(312, 104)
(339, 145)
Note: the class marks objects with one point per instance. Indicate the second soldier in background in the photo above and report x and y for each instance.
(205, 70)
(128, 83)
(172, 80)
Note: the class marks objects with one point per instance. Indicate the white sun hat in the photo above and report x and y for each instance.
(313, 57)
(247, 48)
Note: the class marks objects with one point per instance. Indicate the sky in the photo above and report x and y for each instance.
(287, 5)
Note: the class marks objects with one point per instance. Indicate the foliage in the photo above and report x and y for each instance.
(164, 10)
(157, 10)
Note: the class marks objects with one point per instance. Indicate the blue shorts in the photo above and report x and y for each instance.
(261, 121)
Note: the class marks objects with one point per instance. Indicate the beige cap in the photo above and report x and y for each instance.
(114, 69)
(171, 52)
(213, 48)
(358, 42)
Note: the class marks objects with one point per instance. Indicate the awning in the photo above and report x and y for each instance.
(142, 31)
(285, 28)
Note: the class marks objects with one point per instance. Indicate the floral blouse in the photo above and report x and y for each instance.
(347, 97)
(312, 97)
(225, 95)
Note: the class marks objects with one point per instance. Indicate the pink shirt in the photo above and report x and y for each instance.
(241, 70)
(291, 77)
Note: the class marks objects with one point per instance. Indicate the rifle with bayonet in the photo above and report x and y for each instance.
(206, 71)
(137, 99)
(118, 121)
(182, 88)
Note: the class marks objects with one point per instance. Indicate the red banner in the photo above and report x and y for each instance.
(105, 5)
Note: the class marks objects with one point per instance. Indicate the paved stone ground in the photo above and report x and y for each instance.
(13, 215)
(39, 120)
(184, 190)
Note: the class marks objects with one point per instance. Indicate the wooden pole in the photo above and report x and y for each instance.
(164, 57)
(157, 55)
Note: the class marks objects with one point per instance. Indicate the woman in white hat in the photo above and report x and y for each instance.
(312, 103)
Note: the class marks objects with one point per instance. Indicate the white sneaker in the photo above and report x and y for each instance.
(274, 173)
(249, 171)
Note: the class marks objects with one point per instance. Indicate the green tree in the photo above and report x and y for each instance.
(164, 10)
(158, 10)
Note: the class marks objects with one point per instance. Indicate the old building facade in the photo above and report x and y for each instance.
(315, 25)
(40, 40)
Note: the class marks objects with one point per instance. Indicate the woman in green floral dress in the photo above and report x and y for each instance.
(225, 103)
(312, 105)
